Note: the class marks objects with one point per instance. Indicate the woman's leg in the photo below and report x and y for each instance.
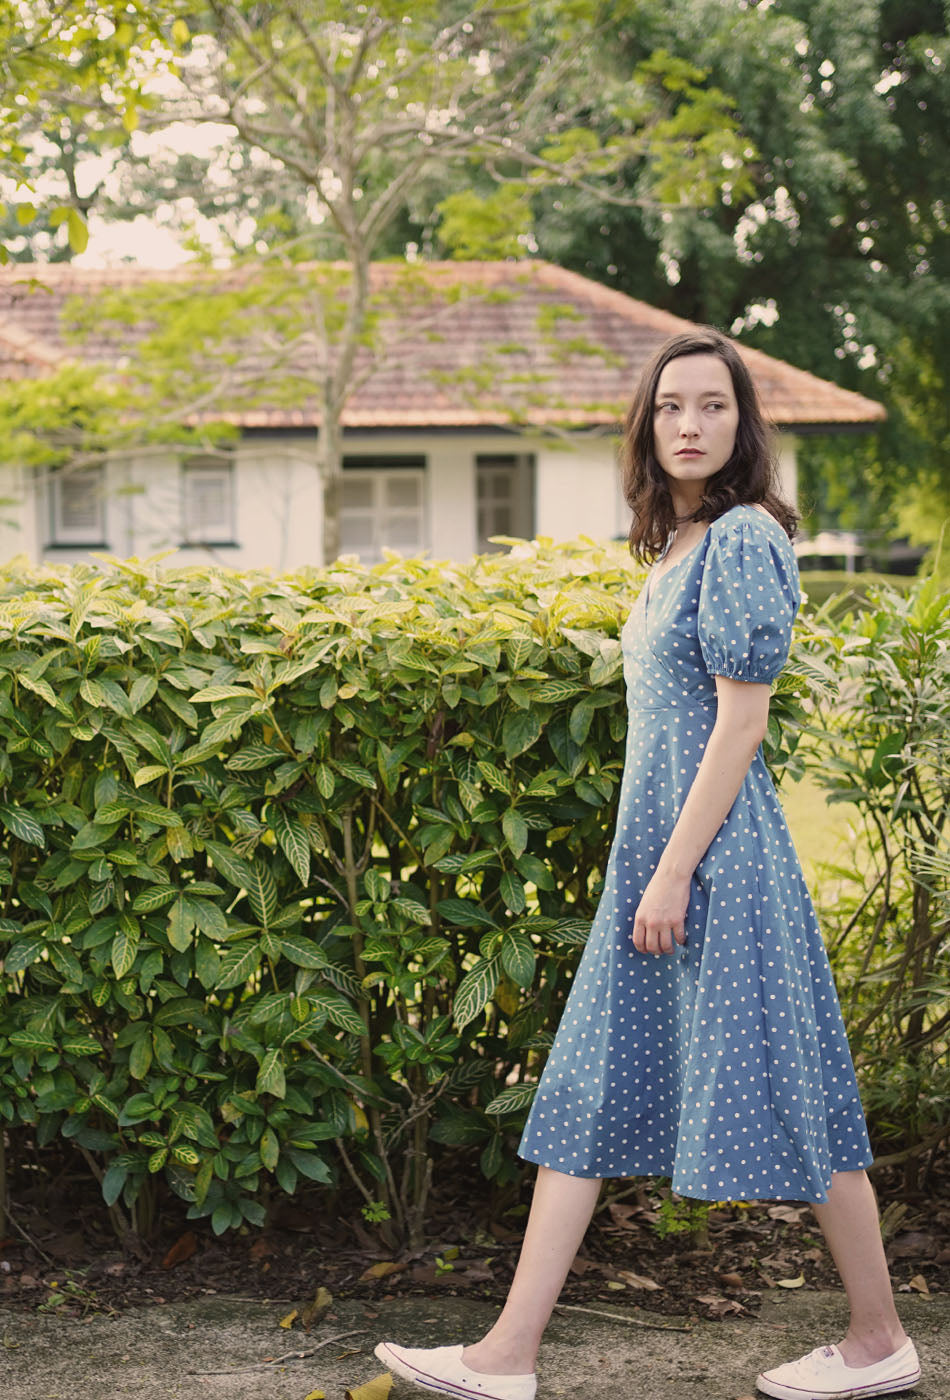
(849, 1222)
(561, 1209)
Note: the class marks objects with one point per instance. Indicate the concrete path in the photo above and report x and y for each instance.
(217, 1349)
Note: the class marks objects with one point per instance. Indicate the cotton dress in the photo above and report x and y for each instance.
(723, 1065)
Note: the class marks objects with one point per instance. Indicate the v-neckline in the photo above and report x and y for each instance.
(653, 582)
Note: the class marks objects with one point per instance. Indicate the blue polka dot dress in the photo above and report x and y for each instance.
(724, 1065)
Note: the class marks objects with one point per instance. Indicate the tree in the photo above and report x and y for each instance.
(359, 115)
(71, 82)
(839, 261)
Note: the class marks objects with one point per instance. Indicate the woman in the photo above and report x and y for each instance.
(702, 1039)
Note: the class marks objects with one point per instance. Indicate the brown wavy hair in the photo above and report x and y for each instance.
(750, 477)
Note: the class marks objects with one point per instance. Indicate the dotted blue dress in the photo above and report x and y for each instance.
(724, 1065)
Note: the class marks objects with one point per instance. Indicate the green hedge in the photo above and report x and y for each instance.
(295, 870)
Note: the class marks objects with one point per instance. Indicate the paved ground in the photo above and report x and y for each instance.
(218, 1349)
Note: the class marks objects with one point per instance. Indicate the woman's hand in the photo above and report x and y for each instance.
(661, 915)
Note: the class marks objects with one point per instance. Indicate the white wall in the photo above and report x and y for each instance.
(788, 467)
(577, 489)
(278, 498)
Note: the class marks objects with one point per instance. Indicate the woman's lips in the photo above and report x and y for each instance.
(690, 452)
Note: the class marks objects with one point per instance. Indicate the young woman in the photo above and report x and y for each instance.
(702, 1039)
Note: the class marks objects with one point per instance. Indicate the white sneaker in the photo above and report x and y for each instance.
(441, 1369)
(823, 1375)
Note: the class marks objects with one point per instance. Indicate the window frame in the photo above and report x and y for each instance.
(213, 539)
(378, 468)
(522, 467)
(61, 535)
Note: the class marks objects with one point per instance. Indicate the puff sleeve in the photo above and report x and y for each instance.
(748, 599)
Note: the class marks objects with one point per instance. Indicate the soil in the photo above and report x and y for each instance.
(60, 1252)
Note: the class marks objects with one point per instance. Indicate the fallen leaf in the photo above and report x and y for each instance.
(913, 1244)
(261, 1248)
(479, 1272)
(622, 1214)
(615, 1285)
(376, 1389)
(183, 1248)
(796, 1282)
(919, 1284)
(321, 1301)
(316, 1395)
(582, 1266)
(792, 1215)
(501, 1232)
(380, 1270)
(638, 1280)
(730, 1280)
(288, 1321)
(719, 1306)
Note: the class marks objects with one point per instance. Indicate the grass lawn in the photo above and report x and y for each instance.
(819, 828)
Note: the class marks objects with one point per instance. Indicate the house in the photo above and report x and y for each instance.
(493, 411)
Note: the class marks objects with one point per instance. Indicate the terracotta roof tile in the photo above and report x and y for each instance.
(475, 344)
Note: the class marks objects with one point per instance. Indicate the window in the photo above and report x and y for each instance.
(77, 506)
(504, 497)
(382, 506)
(208, 501)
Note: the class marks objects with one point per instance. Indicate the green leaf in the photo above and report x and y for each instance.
(78, 232)
(270, 1077)
(149, 773)
(262, 893)
(310, 1165)
(180, 925)
(179, 843)
(146, 901)
(31, 1040)
(113, 1182)
(143, 688)
(520, 730)
(512, 892)
(239, 964)
(207, 963)
(124, 946)
(339, 1010)
(269, 1149)
(140, 1057)
(230, 865)
(518, 956)
(24, 826)
(292, 835)
(476, 990)
(253, 756)
(23, 954)
(495, 777)
(515, 828)
(513, 1099)
(581, 717)
(465, 913)
(302, 952)
(535, 871)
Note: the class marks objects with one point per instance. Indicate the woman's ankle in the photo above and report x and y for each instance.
(501, 1355)
(864, 1346)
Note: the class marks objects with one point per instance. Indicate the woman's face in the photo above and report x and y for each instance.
(695, 419)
